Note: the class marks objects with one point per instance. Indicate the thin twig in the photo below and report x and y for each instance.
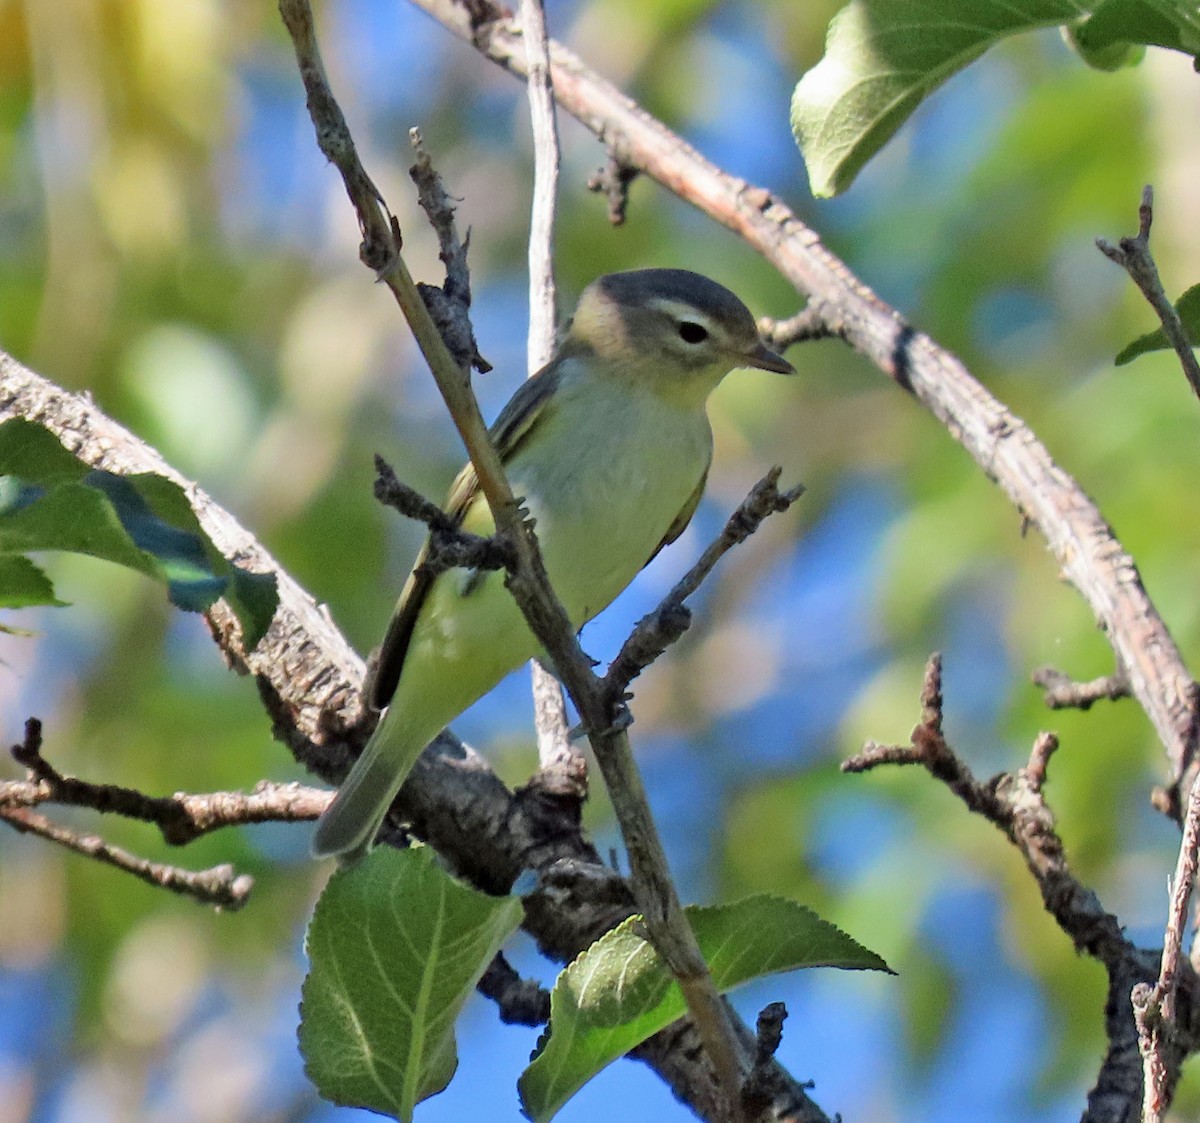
(450, 547)
(542, 294)
(393, 492)
(759, 1091)
(560, 765)
(1063, 692)
(657, 630)
(1158, 1010)
(1134, 256)
(810, 323)
(613, 181)
(219, 886)
(181, 818)
(520, 1001)
(449, 305)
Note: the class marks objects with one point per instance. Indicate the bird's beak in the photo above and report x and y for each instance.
(764, 358)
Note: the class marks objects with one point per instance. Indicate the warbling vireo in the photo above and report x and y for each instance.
(609, 445)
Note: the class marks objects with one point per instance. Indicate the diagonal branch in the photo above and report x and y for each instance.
(657, 630)
(1008, 452)
(1157, 1007)
(658, 900)
(218, 886)
(310, 681)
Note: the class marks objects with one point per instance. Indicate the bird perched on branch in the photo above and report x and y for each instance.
(609, 445)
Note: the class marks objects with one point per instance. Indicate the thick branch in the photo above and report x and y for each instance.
(1089, 554)
(310, 681)
(657, 898)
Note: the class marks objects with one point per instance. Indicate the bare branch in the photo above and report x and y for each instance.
(657, 630)
(1013, 802)
(520, 1001)
(758, 1091)
(181, 818)
(542, 291)
(1134, 256)
(381, 251)
(1062, 692)
(393, 492)
(450, 547)
(1159, 1031)
(449, 305)
(808, 324)
(1156, 1007)
(218, 886)
(380, 236)
(561, 767)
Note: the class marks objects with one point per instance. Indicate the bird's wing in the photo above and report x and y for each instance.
(682, 519)
(468, 509)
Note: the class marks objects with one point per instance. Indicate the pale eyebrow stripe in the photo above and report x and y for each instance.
(679, 310)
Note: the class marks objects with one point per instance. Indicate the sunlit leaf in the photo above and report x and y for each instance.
(618, 992)
(396, 947)
(884, 57)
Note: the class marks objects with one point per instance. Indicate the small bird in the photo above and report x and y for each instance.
(609, 445)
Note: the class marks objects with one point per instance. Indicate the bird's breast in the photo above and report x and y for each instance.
(604, 481)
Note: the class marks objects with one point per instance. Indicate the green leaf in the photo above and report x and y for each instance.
(618, 992)
(1117, 31)
(49, 500)
(884, 57)
(22, 584)
(32, 452)
(396, 947)
(1188, 307)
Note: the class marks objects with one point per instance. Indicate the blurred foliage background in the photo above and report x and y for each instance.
(172, 242)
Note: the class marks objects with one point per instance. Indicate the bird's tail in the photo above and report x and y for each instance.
(348, 826)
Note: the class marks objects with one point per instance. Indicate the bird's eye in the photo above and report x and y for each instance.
(691, 332)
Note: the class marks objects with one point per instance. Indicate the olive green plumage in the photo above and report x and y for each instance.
(609, 445)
